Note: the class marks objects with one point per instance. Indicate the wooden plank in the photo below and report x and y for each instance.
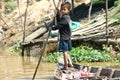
(42, 30)
(106, 72)
(93, 27)
(116, 74)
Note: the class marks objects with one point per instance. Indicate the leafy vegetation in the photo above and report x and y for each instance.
(98, 1)
(117, 16)
(9, 6)
(16, 48)
(118, 56)
(52, 57)
(117, 2)
(83, 53)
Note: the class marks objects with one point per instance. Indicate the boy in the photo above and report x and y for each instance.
(65, 33)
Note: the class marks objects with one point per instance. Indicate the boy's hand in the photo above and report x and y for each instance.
(57, 9)
(50, 28)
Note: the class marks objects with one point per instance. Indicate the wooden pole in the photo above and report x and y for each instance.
(106, 2)
(90, 9)
(43, 51)
(72, 2)
(18, 4)
(45, 44)
(25, 18)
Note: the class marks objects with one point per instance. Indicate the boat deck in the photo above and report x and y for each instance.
(96, 73)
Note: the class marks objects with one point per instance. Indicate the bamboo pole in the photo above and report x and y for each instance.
(18, 4)
(44, 46)
(73, 5)
(24, 27)
(107, 20)
(42, 52)
(90, 9)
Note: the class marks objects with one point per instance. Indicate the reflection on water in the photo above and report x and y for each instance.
(18, 68)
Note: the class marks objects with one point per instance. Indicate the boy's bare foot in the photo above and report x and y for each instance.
(70, 65)
(64, 68)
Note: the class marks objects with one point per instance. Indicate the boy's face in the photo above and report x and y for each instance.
(64, 10)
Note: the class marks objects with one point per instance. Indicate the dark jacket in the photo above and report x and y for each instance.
(64, 27)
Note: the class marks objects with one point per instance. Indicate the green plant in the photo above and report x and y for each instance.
(16, 48)
(117, 16)
(9, 0)
(97, 1)
(9, 6)
(52, 57)
(118, 56)
(83, 53)
(117, 2)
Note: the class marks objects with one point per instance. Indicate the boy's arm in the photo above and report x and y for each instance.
(61, 24)
(58, 16)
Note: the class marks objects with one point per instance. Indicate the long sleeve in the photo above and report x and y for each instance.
(61, 24)
(57, 17)
(64, 27)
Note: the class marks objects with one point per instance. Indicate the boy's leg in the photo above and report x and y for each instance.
(69, 61)
(65, 61)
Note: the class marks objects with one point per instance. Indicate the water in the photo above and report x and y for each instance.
(19, 68)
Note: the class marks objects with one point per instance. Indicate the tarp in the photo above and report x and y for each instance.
(74, 25)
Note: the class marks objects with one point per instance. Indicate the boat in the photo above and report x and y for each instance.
(82, 72)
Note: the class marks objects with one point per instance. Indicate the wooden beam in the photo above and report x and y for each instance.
(106, 1)
(90, 9)
(72, 2)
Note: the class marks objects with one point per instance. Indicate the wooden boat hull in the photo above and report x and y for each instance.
(95, 73)
(70, 74)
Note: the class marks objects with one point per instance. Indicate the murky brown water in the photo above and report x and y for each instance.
(18, 68)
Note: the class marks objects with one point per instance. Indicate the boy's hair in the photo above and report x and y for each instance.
(67, 5)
